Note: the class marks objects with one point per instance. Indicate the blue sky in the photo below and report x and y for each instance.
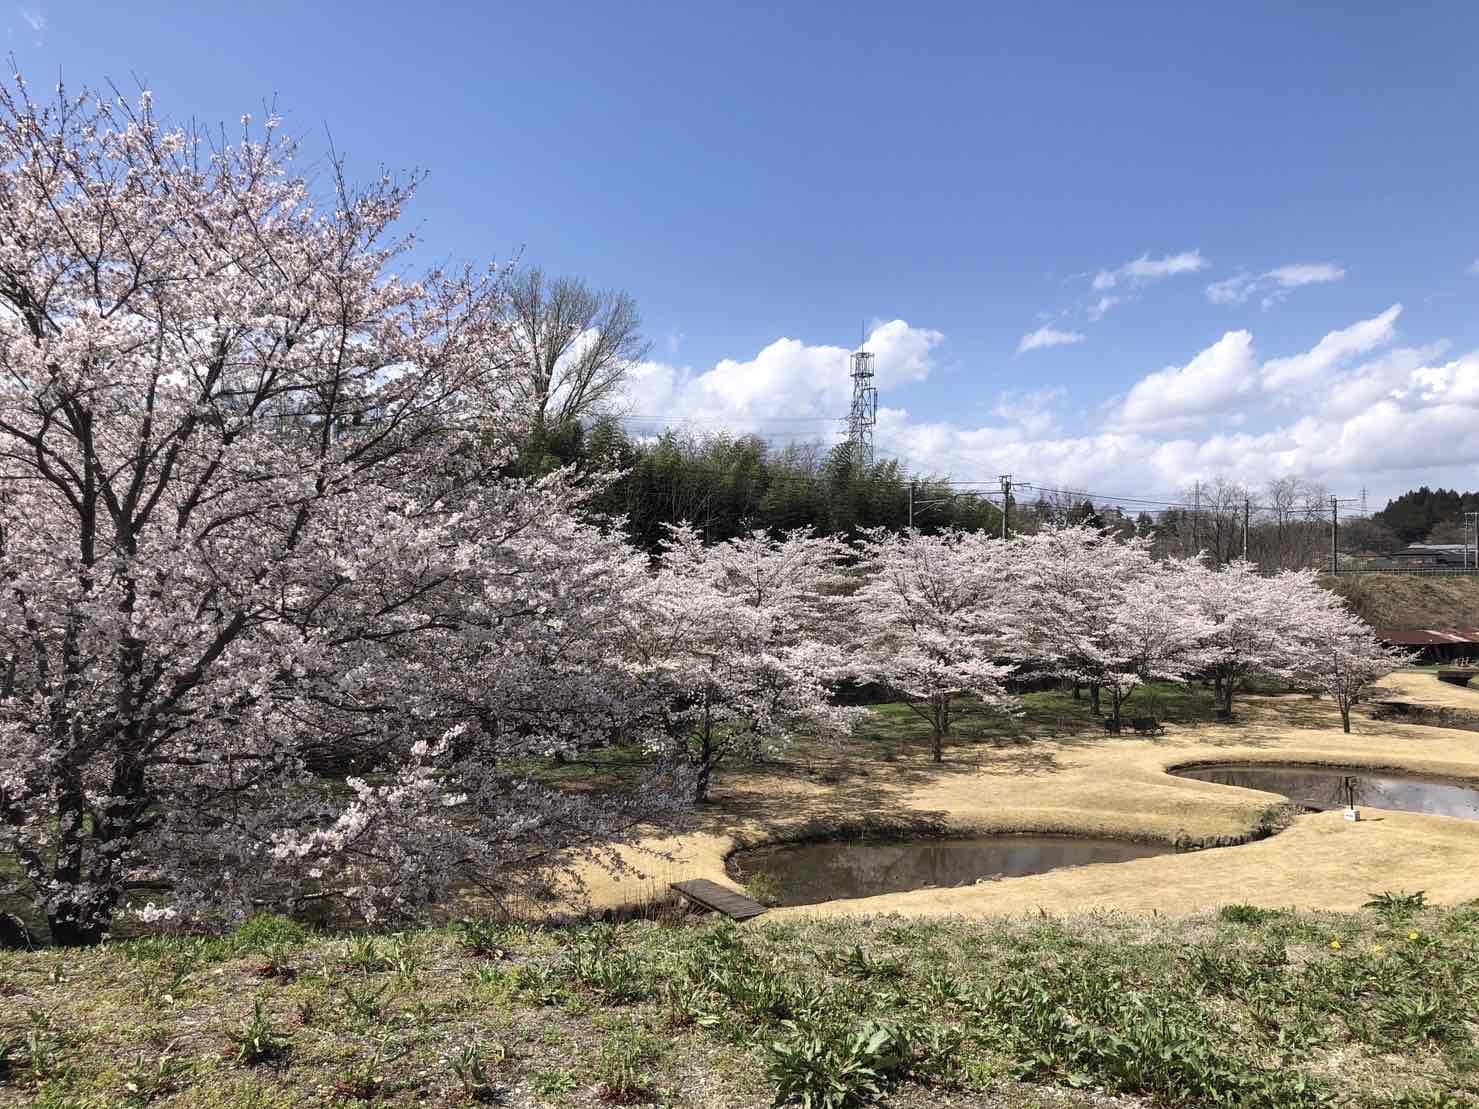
(1182, 204)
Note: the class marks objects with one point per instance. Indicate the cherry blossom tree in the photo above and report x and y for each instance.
(1249, 617)
(729, 643)
(1328, 648)
(250, 523)
(1100, 611)
(935, 620)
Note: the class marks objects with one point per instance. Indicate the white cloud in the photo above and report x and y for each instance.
(1350, 411)
(1224, 371)
(1145, 268)
(1274, 285)
(787, 379)
(33, 19)
(1337, 346)
(1305, 273)
(1474, 268)
(1048, 337)
(1100, 307)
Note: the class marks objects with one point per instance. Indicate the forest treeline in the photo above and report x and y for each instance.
(728, 485)
(1435, 515)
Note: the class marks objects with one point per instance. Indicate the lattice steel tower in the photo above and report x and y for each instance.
(864, 413)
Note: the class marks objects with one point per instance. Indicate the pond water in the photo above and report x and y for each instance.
(807, 873)
(1325, 788)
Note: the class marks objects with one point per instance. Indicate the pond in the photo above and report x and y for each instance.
(807, 873)
(1323, 787)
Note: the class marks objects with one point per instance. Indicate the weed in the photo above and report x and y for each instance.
(1246, 914)
(763, 888)
(1397, 906)
(471, 1065)
(363, 1081)
(485, 939)
(365, 1004)
(621, 1066)
(257, 1041)
(267, 932)
(829, 1069)
(553, 1083)
(363, 953)
(147, 1079)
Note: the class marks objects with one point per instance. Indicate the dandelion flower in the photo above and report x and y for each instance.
(1334, 945)
(1412, 936)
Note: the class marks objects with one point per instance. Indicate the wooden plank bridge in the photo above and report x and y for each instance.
(719, 899)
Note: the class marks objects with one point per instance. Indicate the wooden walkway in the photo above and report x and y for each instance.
(711, 895)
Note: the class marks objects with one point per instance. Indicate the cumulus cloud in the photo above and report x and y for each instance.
(787, 379)
(1100, 307)
(1275, 284)
(1301, 370)
(1170, 397)
(1373, 420)
(1385, 444)
(1145, 268)
(1048, 337)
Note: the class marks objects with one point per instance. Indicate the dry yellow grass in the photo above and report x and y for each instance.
(1416, 600)
(1415, 687)
(1112, 787)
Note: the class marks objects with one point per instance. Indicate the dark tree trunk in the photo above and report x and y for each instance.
(705, 758)
(941, 723)
(1094, 698)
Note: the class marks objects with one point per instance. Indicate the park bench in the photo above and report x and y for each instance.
(1147, 725)
(1456, 677)
(1111, 725)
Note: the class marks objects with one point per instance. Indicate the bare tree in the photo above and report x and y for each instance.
(574, 345)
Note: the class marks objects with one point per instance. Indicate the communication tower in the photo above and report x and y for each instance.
(864, 412)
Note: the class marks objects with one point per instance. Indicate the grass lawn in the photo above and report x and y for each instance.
(1246, 1007)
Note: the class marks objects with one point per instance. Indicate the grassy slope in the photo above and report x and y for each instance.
(1096, 1011)
(1410, 601)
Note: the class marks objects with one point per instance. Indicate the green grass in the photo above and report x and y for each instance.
(1249, 1007)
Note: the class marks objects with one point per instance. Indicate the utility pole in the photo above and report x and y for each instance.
(911, 502)
(1247, 508)
(1471, 521)
(1196, 518)
(1006, 502)
(1334, 535)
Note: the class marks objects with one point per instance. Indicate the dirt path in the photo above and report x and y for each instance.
(1108, 787)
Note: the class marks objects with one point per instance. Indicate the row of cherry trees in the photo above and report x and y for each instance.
(276, 625)
(941, 616)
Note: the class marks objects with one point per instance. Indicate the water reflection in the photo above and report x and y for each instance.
(1326, 788)
(806, 873)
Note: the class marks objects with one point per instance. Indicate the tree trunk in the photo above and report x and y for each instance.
(1227, 692)
(941, 723)
(68, 930)
(1078, 691)
(1094, 698)
(1345, 715)
(706, 757)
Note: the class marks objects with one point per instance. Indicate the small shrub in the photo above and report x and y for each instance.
(269, 931)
